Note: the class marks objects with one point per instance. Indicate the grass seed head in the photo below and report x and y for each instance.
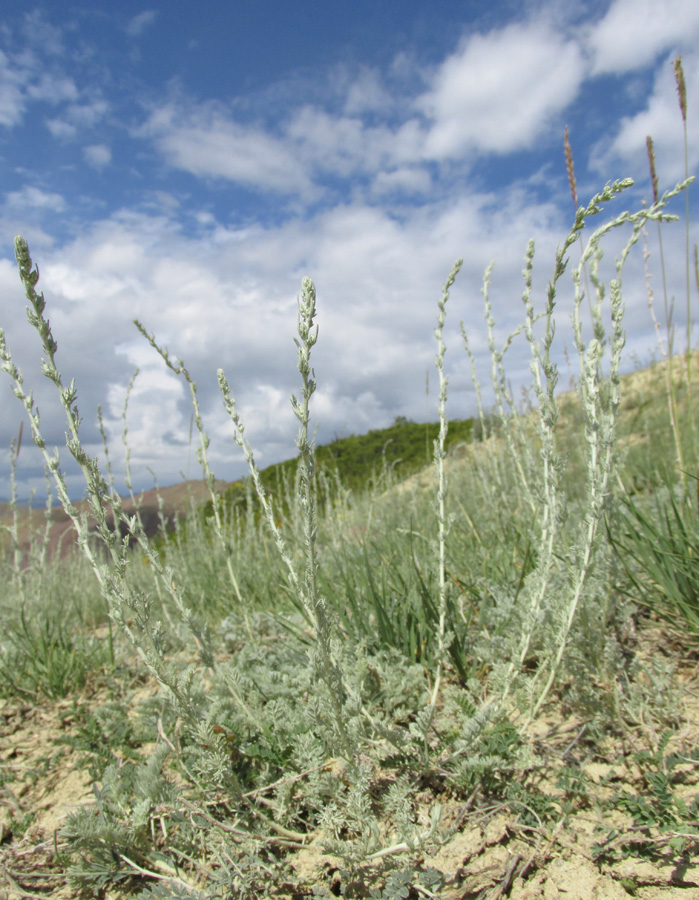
(570, 168)
(653, 172)
(681, 87)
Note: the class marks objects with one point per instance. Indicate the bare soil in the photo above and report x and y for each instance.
(492, 852)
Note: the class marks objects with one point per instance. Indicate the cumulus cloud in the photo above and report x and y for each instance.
(52, 89)
(25, 80)
(210, 144)
(33, 198)
(498, 90)
(662, 120)
(230, 302)
(496, 94)
(383, 173)
(77, 118)
(61, 129)
(342, 145)
(38, 33)
(34, 74)
(13, 79)
(404, 180)
(634, 33)
(97, 155)
(367, 93)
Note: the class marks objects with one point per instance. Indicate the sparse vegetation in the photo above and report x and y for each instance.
(335, 675)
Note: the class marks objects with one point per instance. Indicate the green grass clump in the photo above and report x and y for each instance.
(659, 545)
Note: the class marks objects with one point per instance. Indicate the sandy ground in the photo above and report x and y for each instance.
(489, 853)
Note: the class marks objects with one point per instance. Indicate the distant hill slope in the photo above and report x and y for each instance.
(170, 502)
(406, 447)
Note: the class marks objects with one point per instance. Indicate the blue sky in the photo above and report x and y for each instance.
(188, 164)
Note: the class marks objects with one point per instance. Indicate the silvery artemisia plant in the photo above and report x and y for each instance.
(343, 717)
(323, 708)
(129, 607)
(553, 592)
(273, 750)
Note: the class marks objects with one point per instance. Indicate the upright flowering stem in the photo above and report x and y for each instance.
(682, 97)
(313, 599)
(439, 457)
(669, 368)
(306, 589)
(570, 168)
(308, 335)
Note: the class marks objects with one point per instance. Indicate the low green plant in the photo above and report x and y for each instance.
(660, 816)
(48, 613)
(105, 734)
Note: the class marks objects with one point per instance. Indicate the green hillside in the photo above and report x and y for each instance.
(404, 447)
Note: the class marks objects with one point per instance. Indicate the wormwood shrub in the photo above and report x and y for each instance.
(656, 537)
(323, 726)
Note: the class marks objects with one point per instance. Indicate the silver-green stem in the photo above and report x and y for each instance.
(128, 606)
(179, 368)
(439, 459)
(307, 589)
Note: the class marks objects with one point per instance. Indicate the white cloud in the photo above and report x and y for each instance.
(367, 93)
(409, 180)
(53, 89)
(39, 33)
(34, 198)
(340, 144)
(209, 144)
(497, 92)
(26, 75)
(224, 295)
(662, 120)
(138, 24)
(89, 113)
(157, 417)
(61, 129)
(77, 117)
(634, 33)
(12, 100)
(229, 300)
(97, 155)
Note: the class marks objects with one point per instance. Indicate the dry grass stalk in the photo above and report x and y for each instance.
(653, 171)
(681, 87)
(570, 167)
